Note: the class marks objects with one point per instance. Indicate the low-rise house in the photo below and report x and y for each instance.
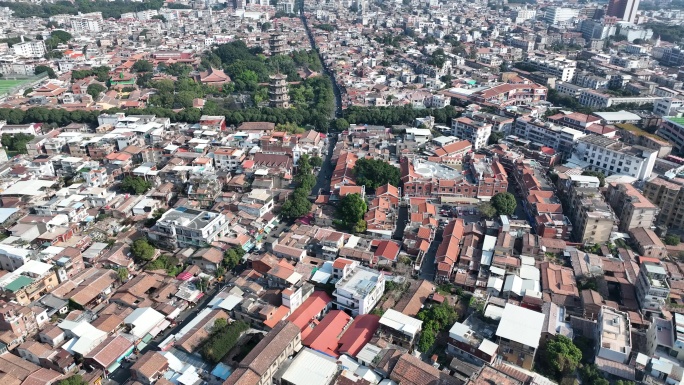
(261, 364)
(399, 329)
(208, 259)
(149, 368)
(108, 355)
(647, 243)
(470, 340)
(519, 333)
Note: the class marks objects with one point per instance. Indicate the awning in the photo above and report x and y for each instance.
(141, 346)
(147, 337)
(111, 368)
(158, 329)
(184, 276)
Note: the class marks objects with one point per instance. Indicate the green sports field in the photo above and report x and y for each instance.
(6, 84)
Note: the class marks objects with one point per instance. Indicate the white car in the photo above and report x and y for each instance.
(514, 216)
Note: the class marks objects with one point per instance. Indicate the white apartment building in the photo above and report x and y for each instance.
(185, 227)
(11, 258)
(613, 157)
(228, 159)
(358, 289)
(668, 106)
(523, 14)
(614, 335)
(652, 288)
(29, 49)
(257, 203)
(597, 99)
(560, 67)
(85, 24)
(559, 138)
(477, 133)
(672, 129)
(555, 15)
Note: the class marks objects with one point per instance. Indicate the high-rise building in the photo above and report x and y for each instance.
(623, 9)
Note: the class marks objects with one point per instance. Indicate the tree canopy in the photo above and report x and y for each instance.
(142, 250)
(76, 379)
(487, 210)
(135, 185)
(435, 318)
(601, 176)
(142, 66)
(298, 204)
(232, 257)
(45, 69)
(374, 173)
(672, 240)
(95, 89)
(16, 142)
(562, 356)
(223, 338)
(108, 8)
(504, 203)
(350, 212)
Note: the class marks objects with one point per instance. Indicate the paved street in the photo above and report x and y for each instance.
(325, 174)
(428, 268)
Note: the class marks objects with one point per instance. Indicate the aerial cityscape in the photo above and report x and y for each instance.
(354, 192)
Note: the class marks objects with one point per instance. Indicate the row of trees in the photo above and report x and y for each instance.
(388, 116)
(108, 8)
(298, 204)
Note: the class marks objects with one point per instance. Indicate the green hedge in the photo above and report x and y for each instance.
(223, 340)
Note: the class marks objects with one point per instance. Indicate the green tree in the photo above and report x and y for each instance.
(601, 176)
(562, 355)
(672, 240)
(142, 66)
(122, 274)
(76, 379)
(504, 203)
(61, 36)
(220, 271)
(95, 89)
(16, 142)
(45, 69)
(297, 205)
(219, 325)
(495, 137)
(142, 250)
(340, 124)
(159, 17)
(232, 258)
(351, 210)
(135, 185)
(223, 339)
(374, 173)
(316, 161)
(427, 339)
(487, 210)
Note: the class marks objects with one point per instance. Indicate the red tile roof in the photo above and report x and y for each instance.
(307, 311)
(358, 334)
(388, 250)
(324, 337)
